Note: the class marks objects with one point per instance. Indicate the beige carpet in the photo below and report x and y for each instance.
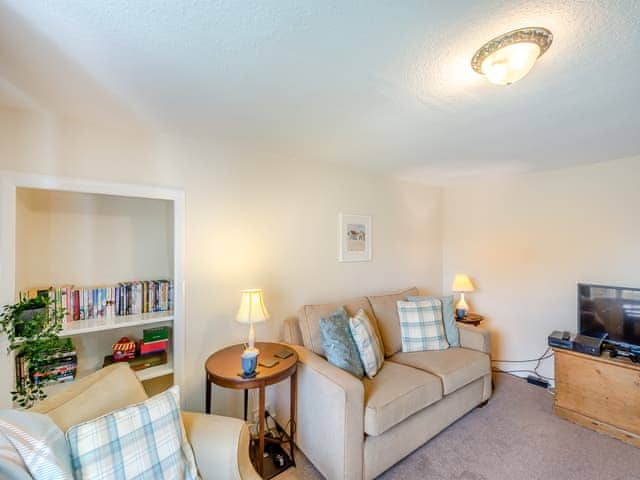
(515, 437)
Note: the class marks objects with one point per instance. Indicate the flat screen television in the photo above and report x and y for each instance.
(614, 311)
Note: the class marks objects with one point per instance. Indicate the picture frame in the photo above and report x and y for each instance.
(354, 238)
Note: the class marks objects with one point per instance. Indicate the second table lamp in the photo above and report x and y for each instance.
(252, 310)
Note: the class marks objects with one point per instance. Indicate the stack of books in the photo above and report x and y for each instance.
(125, 298)
(154, 340)
(58, 367)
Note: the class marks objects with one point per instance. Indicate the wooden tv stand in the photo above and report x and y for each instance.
(599, 393)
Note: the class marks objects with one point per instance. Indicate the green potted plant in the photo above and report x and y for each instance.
(32, 327)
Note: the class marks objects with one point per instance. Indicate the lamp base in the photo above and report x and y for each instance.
(462, 303)
(461, 307)
(252, 340)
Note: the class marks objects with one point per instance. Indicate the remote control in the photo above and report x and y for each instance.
(283, 354)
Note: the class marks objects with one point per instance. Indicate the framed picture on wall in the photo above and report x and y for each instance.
(354, 243)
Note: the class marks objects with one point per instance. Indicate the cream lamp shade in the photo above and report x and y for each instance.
(252, 310)
(461, 284)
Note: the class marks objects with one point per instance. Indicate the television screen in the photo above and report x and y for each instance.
(614, 311)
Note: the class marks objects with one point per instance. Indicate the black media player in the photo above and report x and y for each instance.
(588, 345)
(559, 339)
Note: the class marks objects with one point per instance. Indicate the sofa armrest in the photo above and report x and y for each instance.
(220, 445)
(330, 415)
(474, 338)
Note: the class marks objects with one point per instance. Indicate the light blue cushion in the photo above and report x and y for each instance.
(338, 344)
(448, 317)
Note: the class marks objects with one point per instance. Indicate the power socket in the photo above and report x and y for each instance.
(537, 381)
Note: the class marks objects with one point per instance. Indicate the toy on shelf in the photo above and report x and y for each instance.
(123, 350)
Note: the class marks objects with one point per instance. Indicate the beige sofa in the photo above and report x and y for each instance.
(355, 429)
(220, 444)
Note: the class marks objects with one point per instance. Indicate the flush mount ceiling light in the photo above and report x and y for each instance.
(509, 57)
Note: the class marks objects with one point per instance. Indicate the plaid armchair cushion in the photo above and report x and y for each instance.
(142, 441)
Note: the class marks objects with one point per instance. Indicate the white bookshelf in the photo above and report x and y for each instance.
(101, 324)
(92, 338)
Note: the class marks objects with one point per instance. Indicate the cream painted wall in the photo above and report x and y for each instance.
(249, 222)
(527, 240)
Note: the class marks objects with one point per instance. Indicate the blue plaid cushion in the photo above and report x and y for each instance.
(448, 318)
(143, 441)
(421, 326)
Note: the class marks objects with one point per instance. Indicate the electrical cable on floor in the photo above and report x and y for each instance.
(497, 370)
(547, 354)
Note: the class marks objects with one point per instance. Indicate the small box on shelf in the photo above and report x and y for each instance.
(155, 334)
(123, 349)
(153, 347)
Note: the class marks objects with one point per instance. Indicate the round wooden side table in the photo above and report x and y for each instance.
(471, 319)
(224, 368)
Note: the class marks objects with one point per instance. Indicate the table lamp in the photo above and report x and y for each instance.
(461, 284)
(252, 310)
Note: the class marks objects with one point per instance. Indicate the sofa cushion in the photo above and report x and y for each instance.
(448, 317)
(309, 320)
(455, 366)
(101, 392)
(395, 393)
(141, 441)
(421, 326)
(338, 343)
(385, 308)
(368, 342)
(32, 447)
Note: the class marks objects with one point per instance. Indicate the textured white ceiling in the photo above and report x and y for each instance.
(378, 84)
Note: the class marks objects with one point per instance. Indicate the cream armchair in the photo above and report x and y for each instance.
(220, 444)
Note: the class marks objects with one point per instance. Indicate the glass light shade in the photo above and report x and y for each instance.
(509, 64)
(462, 283)
(252, 307)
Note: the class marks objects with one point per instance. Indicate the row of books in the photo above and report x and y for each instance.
(58, 367)
(125, 298)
